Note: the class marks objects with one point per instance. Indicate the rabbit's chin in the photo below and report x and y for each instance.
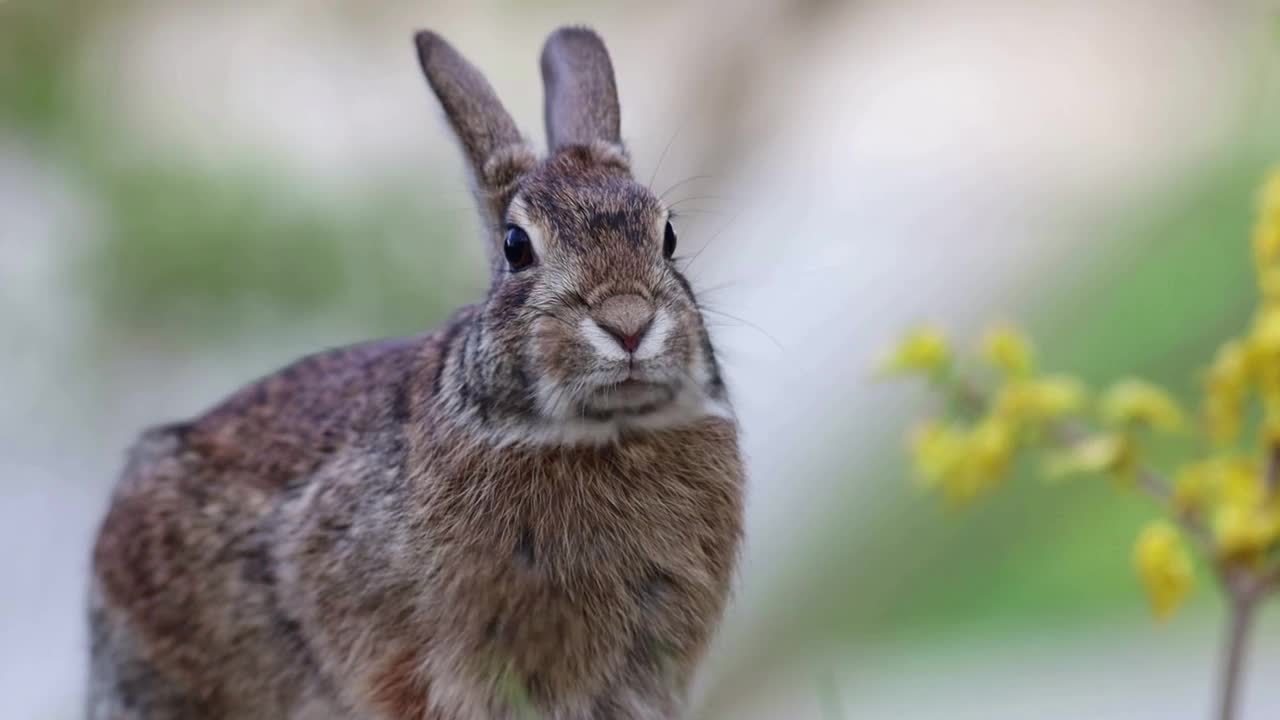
(607, 404)
(681, 407)
(629, 397)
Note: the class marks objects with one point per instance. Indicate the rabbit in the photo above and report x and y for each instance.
(533, 511)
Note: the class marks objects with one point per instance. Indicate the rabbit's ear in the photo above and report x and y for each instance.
(581, 97)
(498, 155)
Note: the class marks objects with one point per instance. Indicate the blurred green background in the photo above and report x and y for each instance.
(192, 194)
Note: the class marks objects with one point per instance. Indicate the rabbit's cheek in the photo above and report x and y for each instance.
(552, 348)
(670, 354)
(657, 341)
(563, 361)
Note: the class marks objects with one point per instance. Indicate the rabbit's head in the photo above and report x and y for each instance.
(588, 323)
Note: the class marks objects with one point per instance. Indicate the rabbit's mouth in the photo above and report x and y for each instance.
(630, 396)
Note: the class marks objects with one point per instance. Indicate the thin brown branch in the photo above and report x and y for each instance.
(1240, 619)
(1272, 475)
(1268, 581)
(1148, 480)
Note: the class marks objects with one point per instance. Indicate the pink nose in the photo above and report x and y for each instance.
(628, 342)
(626, 318)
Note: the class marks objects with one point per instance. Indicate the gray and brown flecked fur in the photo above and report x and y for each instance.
(508, 517)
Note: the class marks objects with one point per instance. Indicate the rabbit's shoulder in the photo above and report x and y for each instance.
(284, 426)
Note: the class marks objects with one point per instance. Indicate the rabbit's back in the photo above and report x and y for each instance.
(185, 621)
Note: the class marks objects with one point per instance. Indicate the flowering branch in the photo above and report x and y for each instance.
(1149, 481)
(1071, 435)
(1226, 502)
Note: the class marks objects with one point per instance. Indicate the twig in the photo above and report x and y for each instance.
(1246, 588)
(1149, 481)
(1269, 581)
(1239, 620)
(1068, 435)
(1272, 476)
(1156, 487)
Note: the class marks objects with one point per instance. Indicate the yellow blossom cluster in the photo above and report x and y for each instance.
(1161, 559)
(1126, 409)
(1231, 492)
(1235, 495)
(1266, 239)
(964, 459)
(923, 350)
(1254, 360)
(1229, 498)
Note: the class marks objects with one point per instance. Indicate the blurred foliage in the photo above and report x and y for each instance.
(182, 239)
(205, 252)
(197, 253)
(39, 43)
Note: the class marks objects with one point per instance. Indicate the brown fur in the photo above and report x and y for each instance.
(400, 690)
(484, 521)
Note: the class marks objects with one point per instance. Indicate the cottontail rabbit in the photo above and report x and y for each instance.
(533, 511)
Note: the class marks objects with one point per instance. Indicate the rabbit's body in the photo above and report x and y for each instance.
(509, 517)
(389, 562)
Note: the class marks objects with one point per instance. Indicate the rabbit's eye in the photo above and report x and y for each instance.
(518, 248)
(669, 242)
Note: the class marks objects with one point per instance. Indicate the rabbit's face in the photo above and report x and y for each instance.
(600, 318)
(588, 328)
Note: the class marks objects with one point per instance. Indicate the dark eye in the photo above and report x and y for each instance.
(669, 242)
(518, 249)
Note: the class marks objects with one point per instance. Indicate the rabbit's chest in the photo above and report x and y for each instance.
(569, 571)
(604, 539)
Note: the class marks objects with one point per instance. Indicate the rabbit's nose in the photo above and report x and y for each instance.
(626, 318)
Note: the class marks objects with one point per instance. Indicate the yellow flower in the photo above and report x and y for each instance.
(987, 453)
(1192, 488)
(990, 447)
(1266, 241)
(1269, 194)
(1223, 414)
(936, 450)
(1264, 341)
(1247, 520)
(1097, 454)
(1269, 282)
(1216, 481)
(1266, 234)
(923, 350)
(1226, 387)
(1244, 532)
(1237, 481)
(960, 462)
(1009, 350)
(1134, 402)
(1265, 336)
(1041, 399)
(1162, 561)
(1269, 389)
(1230, 365)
